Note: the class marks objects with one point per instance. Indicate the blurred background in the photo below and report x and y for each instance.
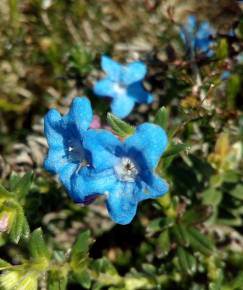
(50, 52)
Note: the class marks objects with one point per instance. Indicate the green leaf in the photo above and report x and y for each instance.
(200, 242)
(103, 265)
(231, 176)
(180, 233)
(37, 246)
(237, 192)
(175, 149)
(4, 264)
(164, 242)
(217, 285)
(222, 48)
(80, 251)
(23, 185)
(17, 225)
(14, 180)
(212, 197)
(25, 228)
(120, 127)
(159, 224)
(197, 215)
(4, 192)
(232, 90)
(162, 117)
(186, 261)
(57, 280)
(83, 278)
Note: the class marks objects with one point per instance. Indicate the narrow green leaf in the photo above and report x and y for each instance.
(164, 242)
(162, 117)
(200, 242)
(4, 264)
(186, 261)
(25, 229)
(159, 224)
(14, 180)
(80, 251)
(83, 279)
(237, 192)
(57, 280)
(175, 149)
(23, 185)
(4, 192)
(17, 225)
(103, 265)
(82, 243)
(217, 285)
(212, 197)
(232, 90)
(120, 127)
(180, 233)
(37, 245)
(197, 215)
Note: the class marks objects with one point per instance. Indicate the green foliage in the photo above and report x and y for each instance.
(162, 118)
(119, 127)
(191, 238)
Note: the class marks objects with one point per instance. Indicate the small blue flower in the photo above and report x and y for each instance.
(197, 38)
(123, 84)
(67, 155)
(123, 171)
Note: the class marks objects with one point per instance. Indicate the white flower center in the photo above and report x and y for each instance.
(126, 169)
(119, 89)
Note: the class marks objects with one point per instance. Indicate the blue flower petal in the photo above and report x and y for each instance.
(56, 159)
(86, 184)
(191, 23)
(138, 93)
(153, 188)
(52, 128)
(133, 72)
(122, 202)
(105, 88)
(65, 175)
(80, 114)
(112, 68)
(103, 146)
(122, 106)
(150, 140)
(204, 31)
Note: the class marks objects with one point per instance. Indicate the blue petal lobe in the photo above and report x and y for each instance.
(112, 68)
(52, 128)
(105, 88)
(149, 141)
(65, 175)
(103, 147)
(56, 159)
(86, 183)
(155, 187)
(122, 106)
(80, 114)
(138, 93)
(133, 72)
(122, 202)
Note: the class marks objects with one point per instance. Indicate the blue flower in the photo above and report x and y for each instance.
(123, 84)
(123, 171)
(197, 38)
(67, 155)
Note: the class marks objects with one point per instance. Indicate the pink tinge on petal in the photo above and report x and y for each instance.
(4, 223)
(96, 123)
